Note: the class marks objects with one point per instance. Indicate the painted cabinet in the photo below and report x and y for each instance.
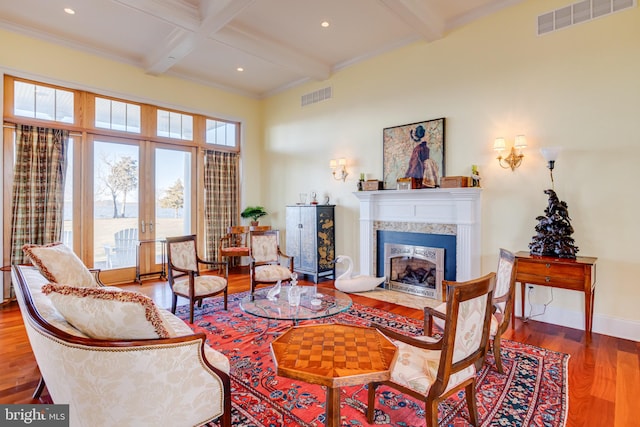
(311, 239)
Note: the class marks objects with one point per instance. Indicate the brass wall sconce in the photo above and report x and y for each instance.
(339, 169)
(514, 159)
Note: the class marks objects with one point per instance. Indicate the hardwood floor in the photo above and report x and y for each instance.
(604, 375)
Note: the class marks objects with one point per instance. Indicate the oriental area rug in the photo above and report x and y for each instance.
(532, 392)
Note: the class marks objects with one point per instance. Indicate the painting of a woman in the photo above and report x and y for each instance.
(414, 151)
(421, 167)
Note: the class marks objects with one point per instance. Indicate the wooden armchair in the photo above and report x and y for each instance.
(268, 263)
(430, 369)
(503, 300)
(234, 244)
(184, 274)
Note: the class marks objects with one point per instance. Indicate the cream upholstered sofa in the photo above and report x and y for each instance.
(175, 381)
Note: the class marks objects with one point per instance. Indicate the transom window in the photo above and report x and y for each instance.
(43, 102)
(78, 109)
(116, 115)
(221, 133)
(175, 125)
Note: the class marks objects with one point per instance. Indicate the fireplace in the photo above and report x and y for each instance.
(441, 218)
(417, 270)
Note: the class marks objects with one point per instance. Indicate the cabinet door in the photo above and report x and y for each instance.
(293, 234)
(326, 239)
(308, 245)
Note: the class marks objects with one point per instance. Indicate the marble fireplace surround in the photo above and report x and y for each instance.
(451, 211)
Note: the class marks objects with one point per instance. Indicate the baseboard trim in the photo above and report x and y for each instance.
(602, 324)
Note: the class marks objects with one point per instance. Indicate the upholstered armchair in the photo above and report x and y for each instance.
(431, 369)
(139, 364)
(268, 263)
(184, 274)
(503, 300)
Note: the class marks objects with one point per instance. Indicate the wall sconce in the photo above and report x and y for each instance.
(551, 154)
(339, 169)
(513, 160)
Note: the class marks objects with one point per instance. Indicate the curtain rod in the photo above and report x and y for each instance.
(13, 126)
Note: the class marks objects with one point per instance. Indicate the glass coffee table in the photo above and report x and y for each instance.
(324, 303)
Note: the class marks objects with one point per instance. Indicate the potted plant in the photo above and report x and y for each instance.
(253, 212)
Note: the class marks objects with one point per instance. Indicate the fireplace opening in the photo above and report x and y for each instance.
(413, 272)
(414, 269)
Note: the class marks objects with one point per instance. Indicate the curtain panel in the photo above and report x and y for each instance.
(38, 187)
(221, 197)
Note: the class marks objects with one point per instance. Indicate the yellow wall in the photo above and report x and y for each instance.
(578, 88)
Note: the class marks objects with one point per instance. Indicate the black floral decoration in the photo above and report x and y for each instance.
(554, 231)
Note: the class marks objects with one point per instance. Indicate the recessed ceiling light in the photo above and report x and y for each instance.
(240, 69)
(324, 24)
(69, 11)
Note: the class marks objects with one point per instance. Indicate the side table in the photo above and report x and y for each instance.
(577, 274)
(333, 355)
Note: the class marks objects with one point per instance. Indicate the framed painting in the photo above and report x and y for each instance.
(414, 151)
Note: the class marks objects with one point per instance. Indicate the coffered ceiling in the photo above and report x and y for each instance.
(277, 43)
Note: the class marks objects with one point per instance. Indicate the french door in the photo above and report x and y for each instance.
(142, 192)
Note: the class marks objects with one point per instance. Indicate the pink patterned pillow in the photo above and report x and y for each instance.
(108, 312)
(59, 264)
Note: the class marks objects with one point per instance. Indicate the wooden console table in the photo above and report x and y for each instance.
(577, 274)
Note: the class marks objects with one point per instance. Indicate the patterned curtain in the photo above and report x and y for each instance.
(38, 187)
(221, 197)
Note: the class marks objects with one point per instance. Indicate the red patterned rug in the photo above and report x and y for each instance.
(532, 392)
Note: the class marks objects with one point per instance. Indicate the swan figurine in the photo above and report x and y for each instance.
(346, 282)
(273, 292)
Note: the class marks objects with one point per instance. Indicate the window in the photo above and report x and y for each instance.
(175, 125)
(101, 202)
(116, 115)
(221, 133)
(42, 102)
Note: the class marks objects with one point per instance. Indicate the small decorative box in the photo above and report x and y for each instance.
(371, 185)
(407, 183)
(455, 181)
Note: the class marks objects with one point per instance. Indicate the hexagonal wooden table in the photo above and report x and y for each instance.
(333, 355)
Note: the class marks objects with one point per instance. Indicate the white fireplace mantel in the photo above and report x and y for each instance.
(459, 207)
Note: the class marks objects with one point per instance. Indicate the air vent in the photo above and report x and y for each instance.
(577, 13)
(315, 97)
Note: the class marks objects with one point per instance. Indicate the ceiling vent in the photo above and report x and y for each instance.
(315, 97)
(577, 13)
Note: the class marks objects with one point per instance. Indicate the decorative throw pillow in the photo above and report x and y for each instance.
(108, 312)
(59, 264)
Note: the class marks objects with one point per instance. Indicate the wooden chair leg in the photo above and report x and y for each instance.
(39, 389)
(469, 392)
(431, 413)
(174, 303)
(226, 293)
(496, 354)
(226, 417)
